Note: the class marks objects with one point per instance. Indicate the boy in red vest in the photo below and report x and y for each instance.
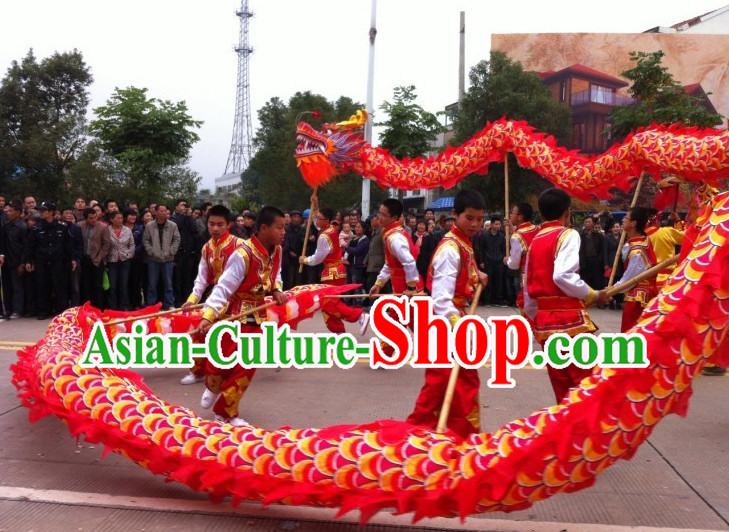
(215, 255)
(639, 258)
(521, 218)
(554, 295)
(400, 257)
(334, 273)
(452, 278)
(252, 273)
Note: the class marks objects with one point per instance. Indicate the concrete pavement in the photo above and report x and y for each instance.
(50, 482)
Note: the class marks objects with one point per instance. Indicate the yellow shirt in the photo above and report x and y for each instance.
(665, 240)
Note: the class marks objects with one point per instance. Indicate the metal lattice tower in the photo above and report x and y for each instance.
(240, 147)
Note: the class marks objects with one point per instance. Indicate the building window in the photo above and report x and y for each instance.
(563, 90)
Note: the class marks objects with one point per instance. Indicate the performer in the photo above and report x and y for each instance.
(452, 278)
(521, 218)
(334, 273)
(400, 258)
(554, 295)
(638, 257)
(400, 253)
(252, 272)
(664, 241)
(215, 255)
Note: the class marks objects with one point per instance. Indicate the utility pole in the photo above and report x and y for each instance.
(462, 59)
(370, 105)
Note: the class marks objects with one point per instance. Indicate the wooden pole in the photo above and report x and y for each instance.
(619, 252)
(453, 379)
(308, 229)
(243, 314)
(627, 285)
(155, 315)
(506, 202)
(362, 296)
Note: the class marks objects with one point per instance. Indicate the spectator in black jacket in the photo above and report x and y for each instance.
(295, 234)
(74, 287)
(188, 255)
(14, 233)
(491, 261)
(356, 254)
(592, 255)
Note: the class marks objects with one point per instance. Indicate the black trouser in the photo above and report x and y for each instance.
(17, 285)
(51, 276)
(495, 286)
(137, 272)
(92, 279)
(184, 276)
(593, 273)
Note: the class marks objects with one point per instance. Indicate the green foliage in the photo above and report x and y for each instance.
(272, 177)
(42, 119)
(151, 140)
(410, 129)
(501, 88)
(658, 99)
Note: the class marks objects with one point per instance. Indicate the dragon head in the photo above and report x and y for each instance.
(321, 155)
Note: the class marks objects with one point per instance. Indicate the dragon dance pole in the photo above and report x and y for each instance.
(453, 379)
(627, 285)
(308, 230)
(506, 201)
(155, 315)
(619, 252)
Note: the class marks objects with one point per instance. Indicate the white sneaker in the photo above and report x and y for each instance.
(364, 322)
(208, 398)
(238, 422)
(191, 379)
(234, 421)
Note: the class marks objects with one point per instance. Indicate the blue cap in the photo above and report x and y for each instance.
(306, 213)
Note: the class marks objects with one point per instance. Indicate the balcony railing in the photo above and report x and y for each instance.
(597, 96)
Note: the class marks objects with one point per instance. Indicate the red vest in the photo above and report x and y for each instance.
(556, 311)
(647, 289)
(397, 272)
(216, 255)
(260, 280)
(333, 267)
(524, 234)
(467, 277)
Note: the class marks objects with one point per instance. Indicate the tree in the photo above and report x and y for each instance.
(501, 88)
(658, 99)
(410, 129)
(272, 177)
(150, 139)
(42, 120)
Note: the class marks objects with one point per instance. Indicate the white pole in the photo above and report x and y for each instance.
(370, 105)
(462, 58)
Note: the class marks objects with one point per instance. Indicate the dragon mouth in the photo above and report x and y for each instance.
(308, 146)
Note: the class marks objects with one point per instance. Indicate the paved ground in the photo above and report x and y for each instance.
(49, 482)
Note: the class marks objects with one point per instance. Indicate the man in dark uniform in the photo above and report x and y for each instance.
(49, 253)
(295, 236)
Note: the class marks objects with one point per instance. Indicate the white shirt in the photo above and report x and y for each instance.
(565, 274)
(201, 281)
(514, 260)
(446, 265)
(636, 266)
(323, 249)
(400, 247)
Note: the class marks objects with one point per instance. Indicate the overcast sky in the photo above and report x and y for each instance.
(183, 50)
